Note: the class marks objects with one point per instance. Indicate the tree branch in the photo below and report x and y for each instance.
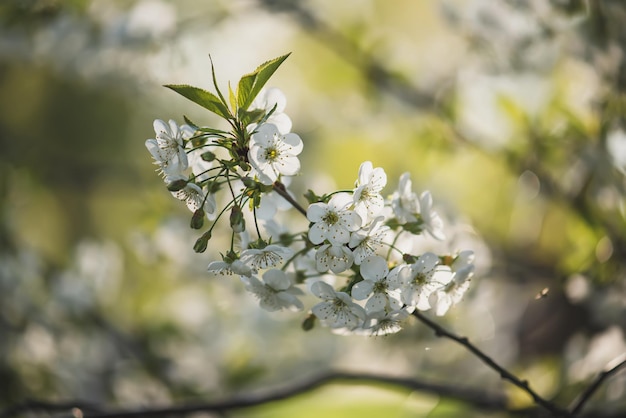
(282, 191)
(471, 396)
(504, 373)
(582, 399)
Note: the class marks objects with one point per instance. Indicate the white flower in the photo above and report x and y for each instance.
(384, 297)
(266, 100)
(199, 167)
(336, 258)
(272, 154)
(227, 267)
(453, 292)
(432, 221)
(275, 292)
(195, 198)
(337, 310)
(404, 202)
(167, 149)
(366, 242)
(271, 202)
(333, 220)
(368, 202)
(384, 323)
(420, 279)
(267, 257)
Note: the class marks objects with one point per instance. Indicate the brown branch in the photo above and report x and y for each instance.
(582, 399)
(504, 373)
(282, 191)
(471, 396)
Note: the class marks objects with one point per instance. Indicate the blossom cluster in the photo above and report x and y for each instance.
(348, 258)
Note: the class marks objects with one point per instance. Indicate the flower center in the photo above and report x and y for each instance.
(271, 154)
(380, 287)
(420, 278)
(331, 218)
(338, 305)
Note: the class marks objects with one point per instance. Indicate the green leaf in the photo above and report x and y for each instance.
(190, 122)
(251, 84)
(203, 98)
(207, 130)
(248, 117)
(219, 93)
(232, 98)
(244, 88)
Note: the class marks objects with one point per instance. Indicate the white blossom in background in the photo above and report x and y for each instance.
(199, 167)
(616, 145)
(333, 221)
(271, 203)
(337, 309)
(452, 293)
(368, 202)
(432, 221)
(266, 100)
(404, 201)
(275, 292)
(273, 154)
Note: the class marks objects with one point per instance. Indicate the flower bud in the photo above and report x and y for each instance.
(202, 242)
(249, 183)
(309, 322)
(197, 219)
(177, 185)
(237, 223)
(208, 156)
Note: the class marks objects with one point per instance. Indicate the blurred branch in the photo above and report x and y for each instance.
(504, 373)
(47, 407)
(595, 385)
(348, 50)
(478, 399)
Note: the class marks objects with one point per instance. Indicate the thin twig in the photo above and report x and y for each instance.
(582, 399)
(281, 190)
(504, 373)
(471, 396)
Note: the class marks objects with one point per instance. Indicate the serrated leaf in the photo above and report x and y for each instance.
(243, 90)
(203, 98)
(259, 78)
(190, 122)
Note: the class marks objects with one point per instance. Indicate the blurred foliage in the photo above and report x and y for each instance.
(511, 113)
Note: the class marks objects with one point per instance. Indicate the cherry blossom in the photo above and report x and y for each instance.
(273, 154)
(337, 309)
(333, 221)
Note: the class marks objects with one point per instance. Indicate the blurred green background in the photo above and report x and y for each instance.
(511, 113)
